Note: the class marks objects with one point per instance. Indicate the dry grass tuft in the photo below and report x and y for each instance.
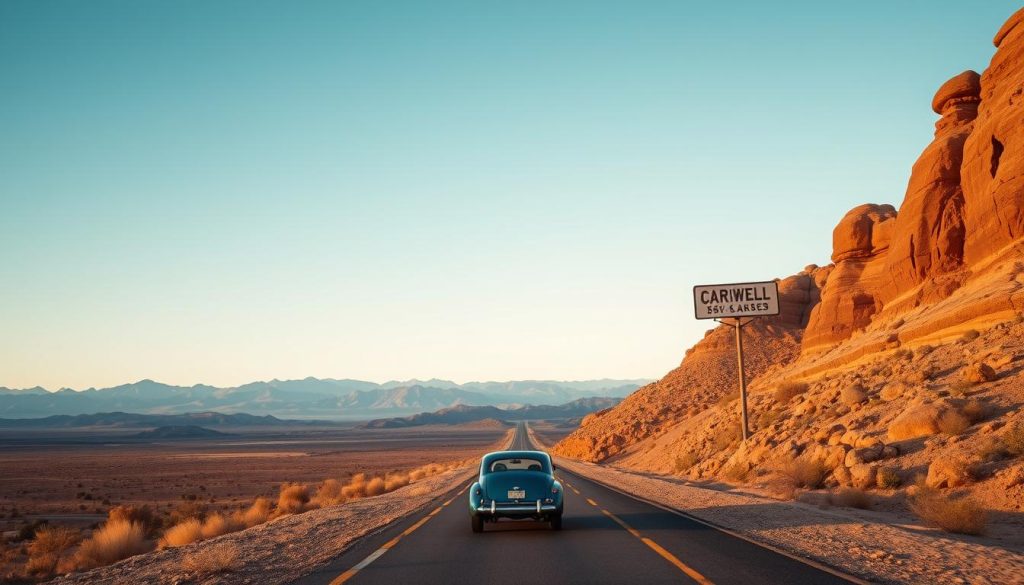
(375, 487)
(1013, 438)
(328, 493)
(963, 516)
(293, 499)
(356, 487)
(903, 354)
(991, 448)
(222, 558)
(685, 461)
(975, 411)
(786, 391)
(143, 515)
(186, 532)
(48, 550)
(115, 540)
(888, 478)
(851, 498)
(394, 481)
(961, 388)
(736, 472)
(218, 524)
(258, 513)
(802, 472)
(952, 422)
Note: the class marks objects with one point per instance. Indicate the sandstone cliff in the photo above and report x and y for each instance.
(917, 321)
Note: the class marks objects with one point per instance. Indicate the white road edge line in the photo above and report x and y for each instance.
(809, 562)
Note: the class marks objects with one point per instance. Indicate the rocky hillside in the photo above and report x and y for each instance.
(905, 350)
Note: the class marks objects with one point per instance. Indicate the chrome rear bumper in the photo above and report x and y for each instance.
(537, 507)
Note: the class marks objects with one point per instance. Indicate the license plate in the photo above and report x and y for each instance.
(516, 494)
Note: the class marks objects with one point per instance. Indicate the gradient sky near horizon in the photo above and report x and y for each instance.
(221, 192)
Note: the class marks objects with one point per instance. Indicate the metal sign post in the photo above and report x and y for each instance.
(736, 302)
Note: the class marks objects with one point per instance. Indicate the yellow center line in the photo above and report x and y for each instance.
(576, 491)
(690, 571)
(591, 502)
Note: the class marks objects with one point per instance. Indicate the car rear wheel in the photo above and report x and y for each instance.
(556, 522)
(478, 523)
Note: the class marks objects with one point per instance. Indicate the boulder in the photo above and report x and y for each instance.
(979, 373)
(864, 475)
(854, 394)
(948, 472)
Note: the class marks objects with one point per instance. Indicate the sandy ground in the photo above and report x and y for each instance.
(281, 550)
(871, 545)
(74, 478)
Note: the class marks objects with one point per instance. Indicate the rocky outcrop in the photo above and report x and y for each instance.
(928, 234)
(853, 290)
(951, 260)
(993, 166)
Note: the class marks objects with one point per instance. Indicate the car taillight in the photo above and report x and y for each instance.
(554, 490)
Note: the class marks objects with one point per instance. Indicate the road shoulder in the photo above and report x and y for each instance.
(852, 543)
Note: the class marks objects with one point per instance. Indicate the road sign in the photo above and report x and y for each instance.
(736, 302)
(744, 299)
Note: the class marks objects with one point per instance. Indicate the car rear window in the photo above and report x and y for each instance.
(516, 464)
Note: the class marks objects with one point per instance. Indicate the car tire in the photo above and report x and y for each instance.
(478, 523)
(556, 522)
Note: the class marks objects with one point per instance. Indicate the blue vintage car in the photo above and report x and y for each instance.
(516, 484)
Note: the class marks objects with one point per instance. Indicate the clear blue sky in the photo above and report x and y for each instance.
(220, 192)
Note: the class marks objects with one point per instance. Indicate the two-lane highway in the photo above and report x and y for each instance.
(607, 537)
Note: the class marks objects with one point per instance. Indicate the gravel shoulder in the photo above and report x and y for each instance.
(863, 544)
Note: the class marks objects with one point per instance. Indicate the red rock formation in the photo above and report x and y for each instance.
(993, 167)
(852, 292)
(928, 235)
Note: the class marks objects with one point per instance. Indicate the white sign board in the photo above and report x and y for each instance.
(744, 299)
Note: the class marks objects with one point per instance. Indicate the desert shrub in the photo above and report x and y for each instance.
(685, 461)
(963, 516)
(218, 524)
(115, 540)
(735, 472)
(375, 487)
(785, 391)
(991, 448)
(356, 487)
(144, 515)
(851, 498)
(970, 335)
(328, 493)
(417, 474)
(49, 548)
(394, 481)
(293, 499)
(212, 560)
(961, 387)
(258, 513)
(1013, 438)
(726, 436)
(802, 472)
(187, 532)
(975, 411)
(888, 478)
(952, 422)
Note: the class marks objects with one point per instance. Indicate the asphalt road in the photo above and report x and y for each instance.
(607, 537)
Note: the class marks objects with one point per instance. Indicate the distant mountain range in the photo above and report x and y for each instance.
(464, 413)
(114, 420)
(307, 398)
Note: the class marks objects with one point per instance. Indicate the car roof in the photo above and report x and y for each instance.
(515, 454)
